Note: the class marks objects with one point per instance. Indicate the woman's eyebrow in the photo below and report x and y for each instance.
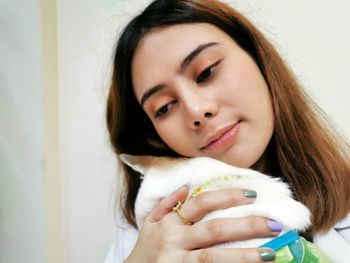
(188, 59)
(150, 92)
(183, 65)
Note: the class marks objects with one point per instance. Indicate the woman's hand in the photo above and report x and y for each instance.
(164, 237)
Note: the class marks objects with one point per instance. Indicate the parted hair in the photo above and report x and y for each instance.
(305, 149)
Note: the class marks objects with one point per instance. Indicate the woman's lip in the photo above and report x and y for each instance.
(222, 138)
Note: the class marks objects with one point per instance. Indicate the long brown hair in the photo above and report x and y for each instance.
(305, 149)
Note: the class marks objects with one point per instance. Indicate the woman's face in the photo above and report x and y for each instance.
(204, 94)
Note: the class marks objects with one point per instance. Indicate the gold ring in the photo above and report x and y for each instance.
(178, 211)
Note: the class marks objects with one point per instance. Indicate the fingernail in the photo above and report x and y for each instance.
(274, 226)
(267, 255)
(250, 194)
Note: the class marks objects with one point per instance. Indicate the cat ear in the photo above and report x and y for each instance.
(139, 163)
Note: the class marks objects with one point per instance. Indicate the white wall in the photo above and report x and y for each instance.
(22, 221)
(87, 165)
(312, 35)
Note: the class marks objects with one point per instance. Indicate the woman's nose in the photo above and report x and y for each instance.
(200, 120)
(199, 110)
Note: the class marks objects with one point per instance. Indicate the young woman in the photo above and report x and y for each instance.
(196, 78)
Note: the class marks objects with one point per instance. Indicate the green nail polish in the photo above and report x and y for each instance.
(267, 255)
(250, 194)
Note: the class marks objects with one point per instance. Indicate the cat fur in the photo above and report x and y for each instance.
(162, 176)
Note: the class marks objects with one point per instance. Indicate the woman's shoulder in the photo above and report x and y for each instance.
(336, 242)
(344, 223)
(125, 239)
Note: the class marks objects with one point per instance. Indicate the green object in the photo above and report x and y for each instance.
(301, 251)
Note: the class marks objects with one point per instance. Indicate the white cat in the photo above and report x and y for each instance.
(163, 176)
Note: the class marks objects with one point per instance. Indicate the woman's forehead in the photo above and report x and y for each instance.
(178, 35)
(167, 47)
(175, 42)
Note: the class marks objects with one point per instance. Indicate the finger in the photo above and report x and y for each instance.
(166, 205)
(199, 206)
(237, 255)
(209, 233)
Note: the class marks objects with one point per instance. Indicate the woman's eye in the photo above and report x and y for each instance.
(163, 110)
(206, 74)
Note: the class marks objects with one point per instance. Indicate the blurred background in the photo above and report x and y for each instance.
(58, 174)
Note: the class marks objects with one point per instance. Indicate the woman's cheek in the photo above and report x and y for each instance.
(169, 130)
